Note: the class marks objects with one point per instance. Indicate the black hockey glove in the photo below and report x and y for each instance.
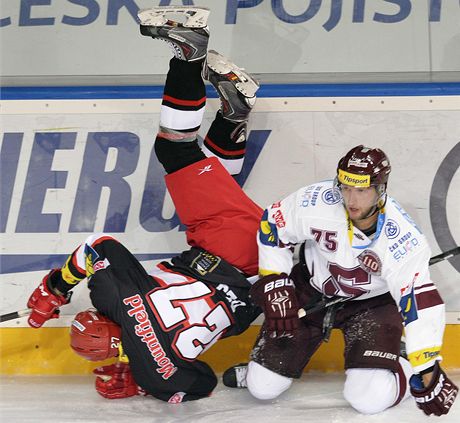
(275, 294)
(438, 396)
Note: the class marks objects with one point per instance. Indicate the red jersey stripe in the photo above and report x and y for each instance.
(221, 150)
(181, 102)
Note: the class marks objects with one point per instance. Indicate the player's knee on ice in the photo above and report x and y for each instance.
(265, 384)
(370, 391)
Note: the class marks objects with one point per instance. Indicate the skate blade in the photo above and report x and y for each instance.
(246, 84)
(195, 17)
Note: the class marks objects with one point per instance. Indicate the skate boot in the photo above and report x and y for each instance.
(188, 39)
(235, 377)
(236, 88)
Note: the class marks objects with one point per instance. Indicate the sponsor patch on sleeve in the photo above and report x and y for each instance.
(408, 307)
(420, 357)
(268, 233)
(91, 257)
(67, 274)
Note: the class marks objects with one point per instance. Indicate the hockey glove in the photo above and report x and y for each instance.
(275, 294)
(438, 396)
(116, 381)
(45, 303)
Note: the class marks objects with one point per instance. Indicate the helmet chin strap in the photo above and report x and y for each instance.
(380, 203)
(372, 211)
(379, 207)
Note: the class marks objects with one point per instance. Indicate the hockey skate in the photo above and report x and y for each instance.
(235, 377)
(237, 89)
(189, 39)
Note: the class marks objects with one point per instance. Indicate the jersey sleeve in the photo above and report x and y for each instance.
(79, 264)
(421, 307)
(280, 229)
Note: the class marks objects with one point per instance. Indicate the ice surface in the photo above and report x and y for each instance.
(317, 398)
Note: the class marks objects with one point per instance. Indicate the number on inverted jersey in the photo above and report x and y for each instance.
(190, 310)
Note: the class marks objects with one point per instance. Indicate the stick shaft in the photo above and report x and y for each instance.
(302, 312)
(445, 256)
(322, 305)
(15, 315)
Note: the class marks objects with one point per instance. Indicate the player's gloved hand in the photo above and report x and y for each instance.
(45, 303)
(108, 370)
(275, 294)
(438, 396)
(116, 381)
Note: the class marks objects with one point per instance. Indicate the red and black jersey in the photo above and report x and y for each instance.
(168, 316)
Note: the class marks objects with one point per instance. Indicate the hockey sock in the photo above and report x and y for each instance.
(181, 114)
(177, 155)
(184, 100)
(226, 140)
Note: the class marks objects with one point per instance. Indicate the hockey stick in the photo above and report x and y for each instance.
(445, 256)
(321, 305)
(302, 312)
(15, 315)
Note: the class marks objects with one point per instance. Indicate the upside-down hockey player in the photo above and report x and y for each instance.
(165, 318)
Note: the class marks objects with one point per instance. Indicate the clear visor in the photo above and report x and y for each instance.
(380, 198)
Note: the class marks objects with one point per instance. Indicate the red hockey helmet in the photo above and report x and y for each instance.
(94, 336)
(363, 167)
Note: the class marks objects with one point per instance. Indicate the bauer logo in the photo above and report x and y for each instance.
(380, 354)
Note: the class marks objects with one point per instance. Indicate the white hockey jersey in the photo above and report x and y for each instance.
(343, 261)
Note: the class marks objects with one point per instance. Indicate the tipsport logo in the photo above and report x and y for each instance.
(25, 200)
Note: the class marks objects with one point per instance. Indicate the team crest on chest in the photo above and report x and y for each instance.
(370, 262)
